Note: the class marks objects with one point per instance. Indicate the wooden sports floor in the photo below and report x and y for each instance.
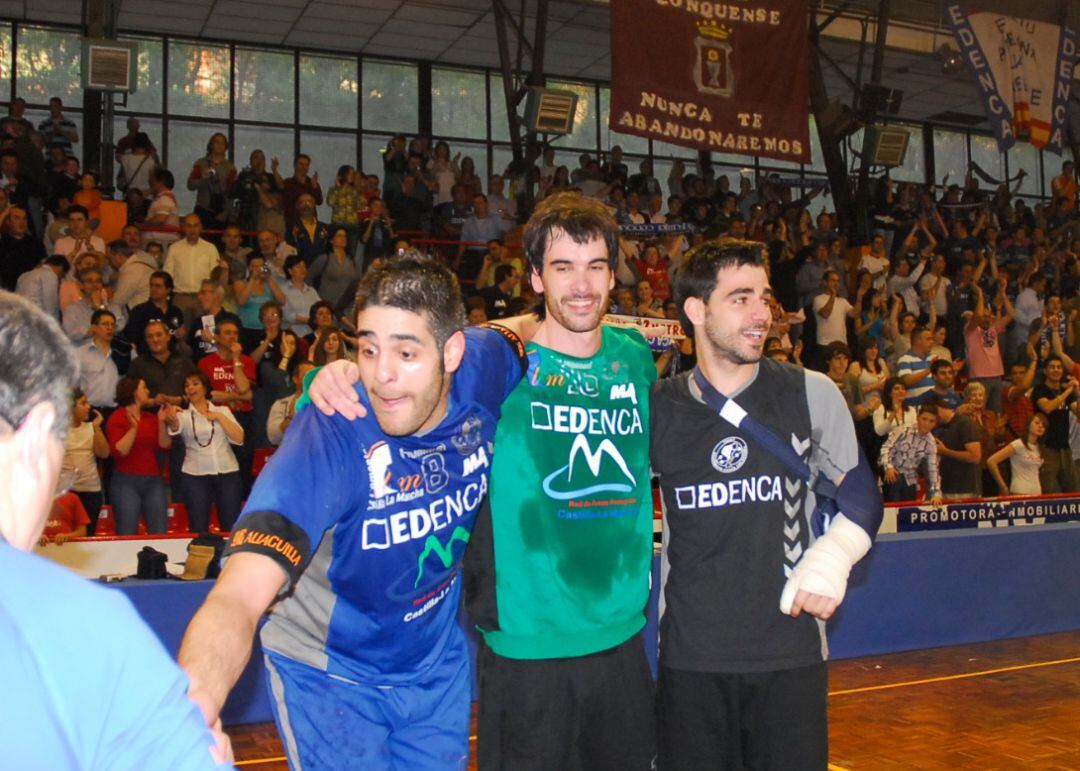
(1011, 704)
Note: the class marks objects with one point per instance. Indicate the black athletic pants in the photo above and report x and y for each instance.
(590, 713)
(762, 721)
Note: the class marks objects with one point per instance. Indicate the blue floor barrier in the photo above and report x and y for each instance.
(914, 590)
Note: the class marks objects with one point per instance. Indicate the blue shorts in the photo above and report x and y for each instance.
(327, 722)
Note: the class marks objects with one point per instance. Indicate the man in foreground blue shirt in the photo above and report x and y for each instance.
(125, 707)
(356, 531)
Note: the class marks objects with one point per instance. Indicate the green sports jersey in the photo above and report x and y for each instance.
(560, 561)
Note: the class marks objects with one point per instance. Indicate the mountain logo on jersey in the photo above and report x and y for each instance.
(378, 459)
(729, 455)
(593, 476)
(444, 553)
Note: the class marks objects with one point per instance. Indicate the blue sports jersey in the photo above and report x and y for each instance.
(86, 685)
(371, 528)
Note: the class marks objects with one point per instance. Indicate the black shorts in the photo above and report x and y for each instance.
(589, 713)
(767, 721)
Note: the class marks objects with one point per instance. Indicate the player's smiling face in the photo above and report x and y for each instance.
(737, 316)
(576, 281)
(406, 375)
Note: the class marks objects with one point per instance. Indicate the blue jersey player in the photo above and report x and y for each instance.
(356, 530)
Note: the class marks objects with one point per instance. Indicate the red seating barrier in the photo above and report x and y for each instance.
(215, 523)
(106, 522)
(177, 519)
(259, 459)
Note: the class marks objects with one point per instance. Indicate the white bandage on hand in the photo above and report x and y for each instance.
(825, 566)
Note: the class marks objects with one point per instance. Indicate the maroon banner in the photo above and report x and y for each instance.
(729, 77)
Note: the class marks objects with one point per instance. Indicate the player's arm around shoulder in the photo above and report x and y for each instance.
(217, 643)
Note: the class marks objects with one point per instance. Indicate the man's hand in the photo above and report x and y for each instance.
(222, 751)
(334, 390)
(236, 350)
(891, 475)
(819, 581)
(816, 605)
(937, 500)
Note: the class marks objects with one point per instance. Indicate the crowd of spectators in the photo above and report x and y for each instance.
(952, 331)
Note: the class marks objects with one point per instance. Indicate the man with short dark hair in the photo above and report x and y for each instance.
(837, 361)
(499, 204)
(959, 451)
(497, 297)
(750, 694)
(363, 635)
(499, 254)
(832, 311)
(41, 286)
(557, 519)
(157, 308)
(546, 700)
(163, 209)
(1056, 398)
(132, 269)
(984, 334)
(163, 367)
(308, 236)
(914, 367)
(202, 337)
(17, 115)
(80, 238)
(234, 253)
(190, 261)
(811, 275)
(103, 360)
(58, 130)
(77, 315)
(448, 218)
(127, 710)
(19, 250)
(134, 134)
(944, 377)
(1064, 186)
(480, 228)
(297, 185)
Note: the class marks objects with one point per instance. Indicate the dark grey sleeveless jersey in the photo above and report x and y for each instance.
(735, 523)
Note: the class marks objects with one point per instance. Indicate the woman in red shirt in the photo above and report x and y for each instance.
(135, 436)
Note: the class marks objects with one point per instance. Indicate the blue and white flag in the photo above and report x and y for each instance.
(1024, 69)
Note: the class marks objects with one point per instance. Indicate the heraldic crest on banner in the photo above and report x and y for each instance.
(712, 68)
